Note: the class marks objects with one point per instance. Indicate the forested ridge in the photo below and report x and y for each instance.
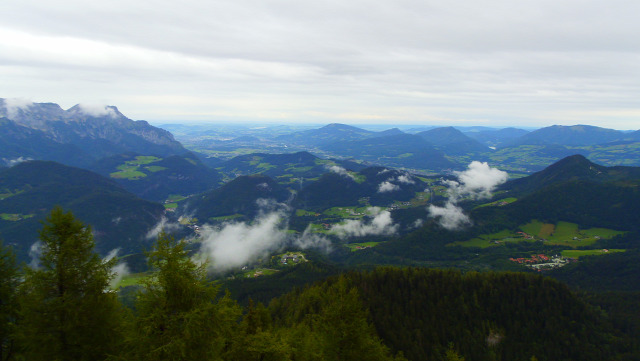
(64, 310)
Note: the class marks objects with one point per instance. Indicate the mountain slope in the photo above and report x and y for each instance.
(154, 178)
(402, 150)
(452, 141)
(31, 189)
(328, 134)
(570, 135)
(238, 197)
(98, 132)
(572, 168)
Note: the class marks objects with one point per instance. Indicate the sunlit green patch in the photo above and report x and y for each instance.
(575, 253)
(154, 168)
(360, 246)
(15, 217)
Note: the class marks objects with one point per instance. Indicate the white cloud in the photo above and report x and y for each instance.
(163, 225)
(12, 162)
(119, 270)
(96, 110)
(238, 244)
(387, 186)
(35, 252)
(380, 225)
(477, 182)
(339, 170)
(13, 106)
(406, 179)
(450, 216)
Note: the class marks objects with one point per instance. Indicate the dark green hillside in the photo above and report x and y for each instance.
(331, 190)
(291, 168)
(495, 138)
(612, 272)
(403, 150)
(482, 316)
(575, 167)
(156, 178)
(452, 141)
(31, 189)
(336, 190)
(238, 197)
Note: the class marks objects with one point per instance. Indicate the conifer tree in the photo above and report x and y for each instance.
(67, 310)
(179, 316)
(8, 283)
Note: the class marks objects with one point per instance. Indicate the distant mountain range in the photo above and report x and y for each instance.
(78, 135)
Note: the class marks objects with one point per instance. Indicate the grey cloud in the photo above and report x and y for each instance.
(535, 62)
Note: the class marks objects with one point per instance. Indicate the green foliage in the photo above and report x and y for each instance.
(329, 323)
(489, 316)
(179, 316)
(67, 312)
(8, 304)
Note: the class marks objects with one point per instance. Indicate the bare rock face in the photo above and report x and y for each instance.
(99, 131)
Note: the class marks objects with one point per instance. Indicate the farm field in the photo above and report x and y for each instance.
(359, 246)
(131, 169)
(577, 253)
(131, 279)
(562, 234)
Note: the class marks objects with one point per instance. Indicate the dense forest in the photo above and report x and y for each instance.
(63, 309)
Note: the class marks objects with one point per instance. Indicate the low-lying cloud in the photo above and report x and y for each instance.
(15, 105)
(163, 226)
(405, 179)
(477, 182)
(387, 186)
(237, 244)
(380, 225)
(240, 243)
(15, 161)
(120, 270)
(339, 170)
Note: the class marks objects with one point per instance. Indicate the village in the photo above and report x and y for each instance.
(542, 262)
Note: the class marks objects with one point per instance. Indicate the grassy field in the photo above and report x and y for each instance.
(14, 217)
(346, 212)
(131, 279)
(303, 213)
(499, 202)
(562, 234)
(258, 272)
(155, 168)
(226, 218)
(354, 246)
(489, 240)
(575, 253)
(131, 169)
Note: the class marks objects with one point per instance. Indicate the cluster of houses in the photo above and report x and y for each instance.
(536, 258)
(290, 258)
(525, 235)
(541, 262)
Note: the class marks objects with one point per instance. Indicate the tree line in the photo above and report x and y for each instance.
(64, 309)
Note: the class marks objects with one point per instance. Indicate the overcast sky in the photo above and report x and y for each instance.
(455, 62)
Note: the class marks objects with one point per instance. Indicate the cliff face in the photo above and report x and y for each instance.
(98, 131)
